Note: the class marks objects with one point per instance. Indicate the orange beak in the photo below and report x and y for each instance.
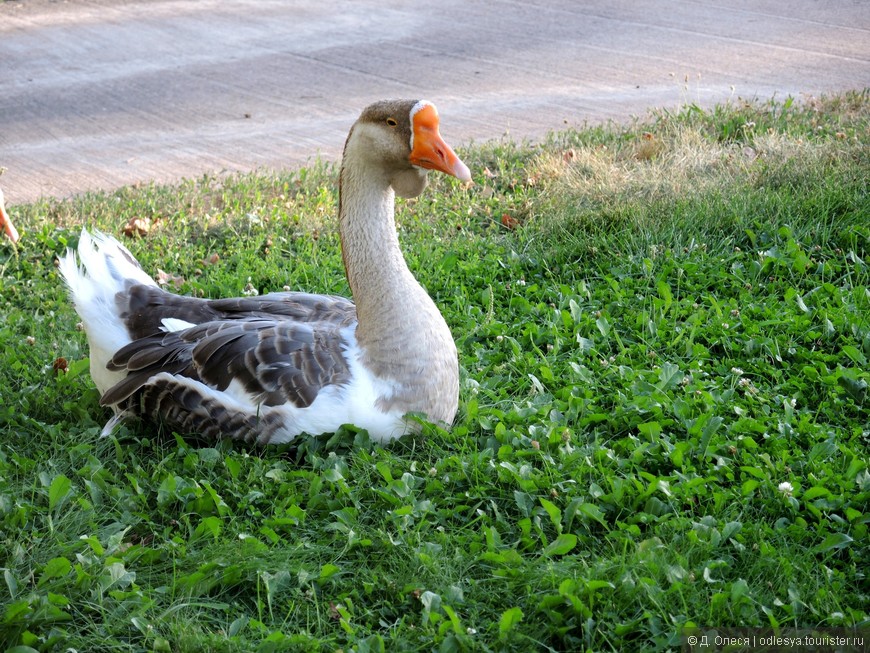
(6, 223)
(428, 148)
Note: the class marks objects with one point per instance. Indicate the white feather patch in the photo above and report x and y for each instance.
(172, 324)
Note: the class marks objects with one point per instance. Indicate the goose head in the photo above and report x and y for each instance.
(401, 140)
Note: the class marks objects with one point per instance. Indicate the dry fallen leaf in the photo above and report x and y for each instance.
(649, 147)
(60, 365)
(137, 227)
(164, 279)
(509, 222)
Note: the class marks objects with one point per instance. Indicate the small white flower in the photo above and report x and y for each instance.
(786, 488)
(521, 282)
(736, 371)
(250, 290)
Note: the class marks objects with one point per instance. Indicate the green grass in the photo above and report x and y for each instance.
(664, 409)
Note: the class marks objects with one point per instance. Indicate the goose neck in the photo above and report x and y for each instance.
(376, 270)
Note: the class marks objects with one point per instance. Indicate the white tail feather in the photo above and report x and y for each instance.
(107, 268)
(116, 420)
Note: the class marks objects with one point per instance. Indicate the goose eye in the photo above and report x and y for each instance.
(392, 122)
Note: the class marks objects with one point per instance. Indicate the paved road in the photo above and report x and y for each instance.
(101, 93)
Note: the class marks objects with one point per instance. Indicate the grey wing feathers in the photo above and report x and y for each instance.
(296, 306)
(143, 308)
(283, 348)
(187, 408)
(276, 361)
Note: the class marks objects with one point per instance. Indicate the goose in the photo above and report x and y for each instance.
(270, 368)
(6, 221)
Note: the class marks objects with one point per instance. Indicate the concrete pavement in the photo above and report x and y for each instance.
(95, 94)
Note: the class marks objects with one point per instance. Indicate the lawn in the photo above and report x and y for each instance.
(663, 330)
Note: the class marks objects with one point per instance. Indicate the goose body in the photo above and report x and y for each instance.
(267, 369)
